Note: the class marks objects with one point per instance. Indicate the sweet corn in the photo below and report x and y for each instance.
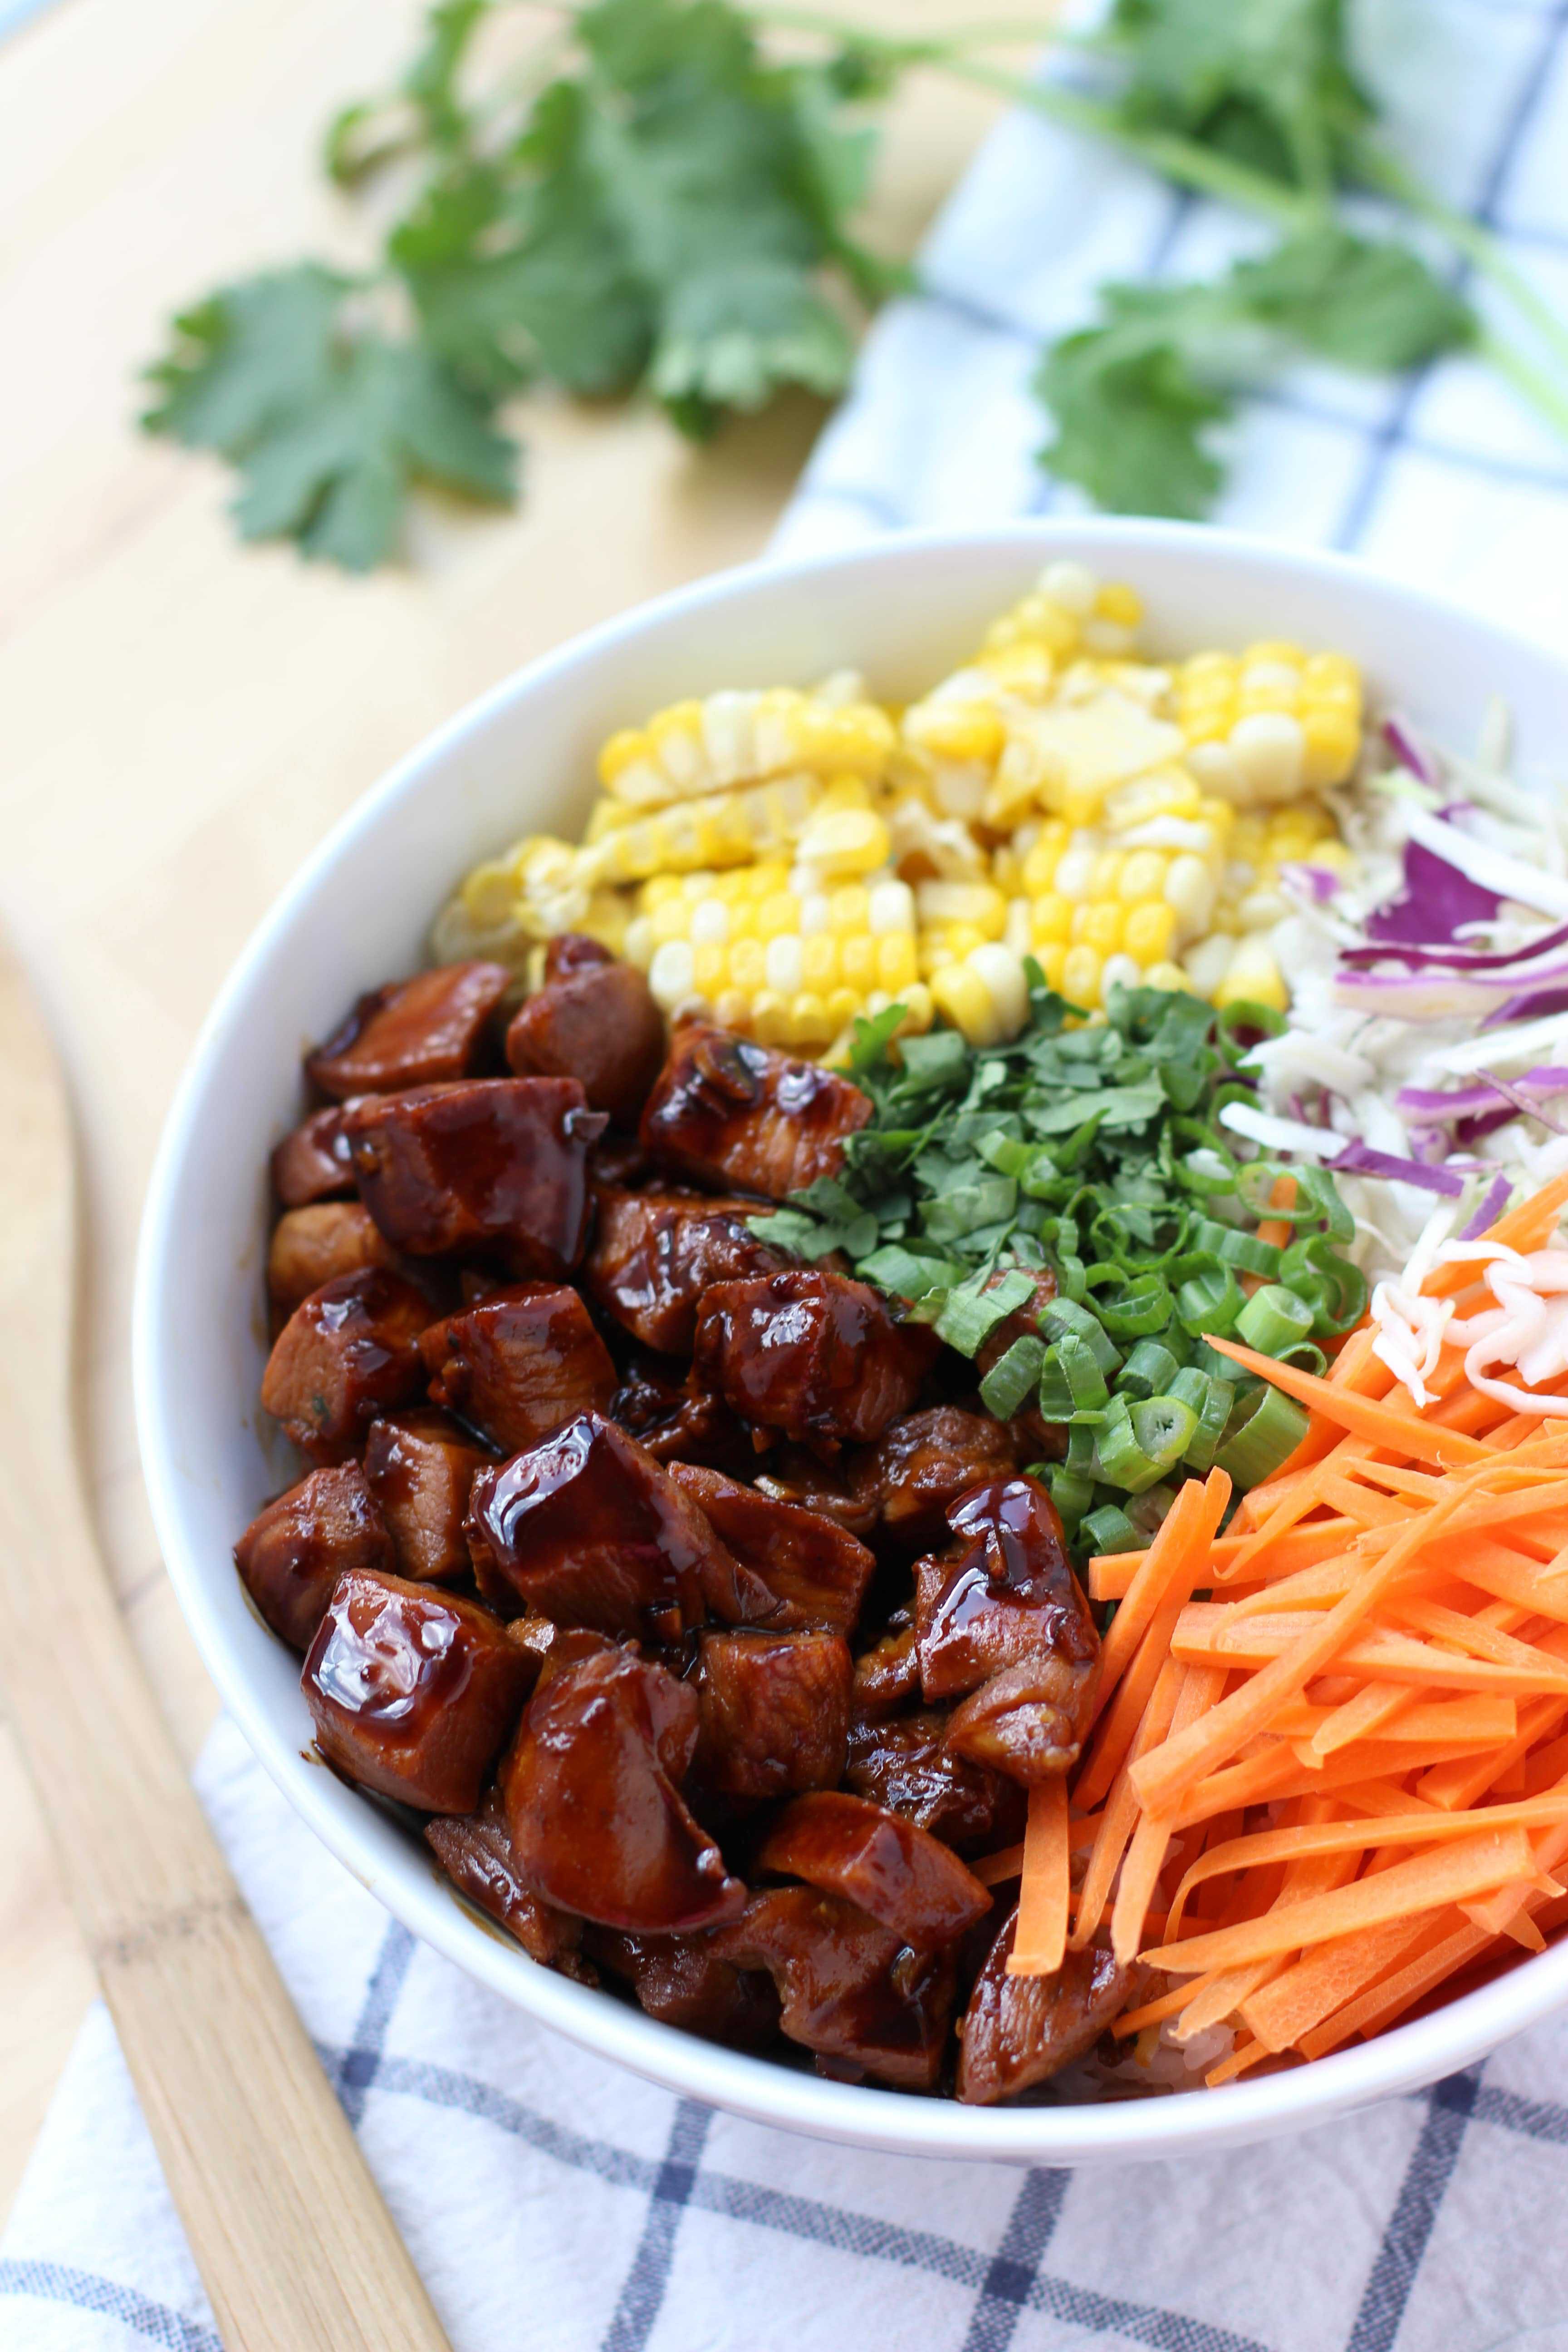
(1263, 726)
(693, 749)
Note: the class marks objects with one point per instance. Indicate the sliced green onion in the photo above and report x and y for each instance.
(1164, 1426)
(1235, 1246)
(1080, 1450)
(1204, 1359)
(1072, 1492)
(1071, 1382)
(1012, 1377)
(1148, 1371)
(1210, 1301)
(1146, 1512)
(1064, 1315)
(1273, 1319)
(968, 1208)
(1212, 1401)
(1108, 1530)
(1136, 1444)
(906, 1274)
(1265, 1429)
(1140, 1307)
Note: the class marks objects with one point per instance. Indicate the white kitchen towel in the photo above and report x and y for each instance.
(552, 2202)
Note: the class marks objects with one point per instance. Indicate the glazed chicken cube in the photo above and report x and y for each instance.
(594, 1020)
(413, 1691)
(814, 1569)
(775, 1712)
(585, 1527)
(818, 1356)
(1019, 2031)
(907, 1766)
(312, 1163)
(681, 1981)
(897, 1872)
(419, 1466)
(498, 1164)
(293, 1552)
(597, 1822)
(1003, 1625)
(655, 1253)
(349, 1352)
(679, 1419)
(475, 1852)
(519, 1364)
(850, 1989)
(314, 1245)
(923, 1463)
(840, 1490)
(412, 1033)
(735, 1115)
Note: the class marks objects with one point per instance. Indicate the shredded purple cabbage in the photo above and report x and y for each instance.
(1408, 749)
(1534, 1004)
(1318, 883)
(1490, 1210)
(1360, 1159)
(1457, 958)
(1437, 900)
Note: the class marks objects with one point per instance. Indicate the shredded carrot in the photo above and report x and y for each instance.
(1040, 1941)
(1201, 1686)
(1405, 1433)
(1119, 1816)
(1176, 1556)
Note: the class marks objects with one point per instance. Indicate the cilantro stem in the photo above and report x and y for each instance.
(1486, 254)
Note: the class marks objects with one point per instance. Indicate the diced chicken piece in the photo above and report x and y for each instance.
(735, 1114)
(520, 1364)
(312, 1163)
(294, 1551)
(898, 1874)
(680, 1419)
(413, 1691)
(420, 1467)
(598, 1825)
(681, 1981)
(596, 1020)
(1019, 2031)
(499, 1164)
(906, 1767)
(837, 1490)
(888, 1675)
(776, 1712)
(585, 1527)
(923, 1463)
(818, 1356)
(851, 1990)
(655, 1253)
(475, 1852)
(314, 1245)
(1002, 1625)
(549, 1648)
(350, 1352)
(412, 1033)
(814, 1569)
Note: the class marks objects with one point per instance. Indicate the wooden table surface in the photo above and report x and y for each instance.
(181, 721)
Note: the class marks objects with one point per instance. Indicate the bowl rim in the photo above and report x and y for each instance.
(1407, 2057)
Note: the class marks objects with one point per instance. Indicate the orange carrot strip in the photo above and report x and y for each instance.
(1548, 1850)
(1323, 1980)
(1114, 1734)
(993, 1869)
(1401, 1432)
(1245, 2054)
(1379, 2006)
(1214, 1998)
(1361, 1836)
(1176, 1554)
(1526, 1227)
(1163, 1779)
(1120, 1817)
(1110, 1574)
(1373, 1708)
(1471, 1868)
(1154, 2013)
(1039, 1940)
(1201, 1686)
(1385, 1655)
(1281, 1776)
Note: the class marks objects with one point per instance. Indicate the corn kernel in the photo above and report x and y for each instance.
(732, 1009)
(1331, 746)
(747, 965)
(1076, 868)
(778, 915)
(1164, 792)
(1051, 918)
(1106, 872)
(671, 975)
(858, 961)
(771, 1023)
(977, 904)
(1040, 864)
(1052, 959)
(1143, 876)
(1080, 976)
(961, 995)
(1120, 971)
(1150, 931)
(897, 965)
(850, 910)
(890, 908)
(1117, 602)
(1207, 963)
(619, 752)
(1254, 977)
(845, 841)
(1190, 893)
(843, 1004)
(1098, 925)
(1169, 976)
(1071, 585)
(1271, 749)
(709, 969)
(820, 961)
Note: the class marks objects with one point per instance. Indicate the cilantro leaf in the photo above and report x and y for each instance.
(327, 423)
(1132, 397)
(1268, 81)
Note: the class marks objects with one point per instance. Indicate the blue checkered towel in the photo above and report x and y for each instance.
(550, 2200)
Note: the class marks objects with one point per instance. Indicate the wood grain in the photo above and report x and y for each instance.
(294, 2244)
(182, 720)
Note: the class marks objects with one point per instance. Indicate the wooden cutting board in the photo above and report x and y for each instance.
(180, 722)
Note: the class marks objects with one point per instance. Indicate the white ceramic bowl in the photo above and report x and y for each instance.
(520, 760)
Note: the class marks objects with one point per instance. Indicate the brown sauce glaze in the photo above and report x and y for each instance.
(681, 1981)
(776, 1712)
(316, 1244)
(475, 1852)
(412, 1033)
(294, 1551)
(814, 1570)
(816, 1356)
(594, 1020)
(907, 1767)
(733, 1114)
(897, 1873)
(312, 1163)
(519, 1364)
(348, 1353)
(413, 1691)
(1020, 2030)
(851, 1991)
(420, 1467)
(655, 1253)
